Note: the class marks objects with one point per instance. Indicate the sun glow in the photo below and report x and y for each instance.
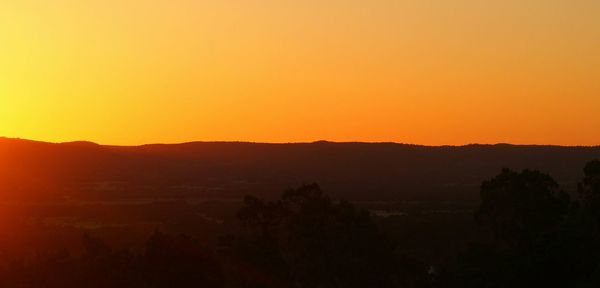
(448, 72)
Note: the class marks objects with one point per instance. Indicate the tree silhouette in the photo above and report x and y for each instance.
(312, 241)
(520, 207)
(589, 188)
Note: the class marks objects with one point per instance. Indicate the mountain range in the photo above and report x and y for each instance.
(31, 170)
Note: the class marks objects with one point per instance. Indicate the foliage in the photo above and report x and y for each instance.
(307, 239)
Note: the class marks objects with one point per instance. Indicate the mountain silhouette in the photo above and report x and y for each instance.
(355, 171)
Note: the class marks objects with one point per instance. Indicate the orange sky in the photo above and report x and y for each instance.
(426, 72)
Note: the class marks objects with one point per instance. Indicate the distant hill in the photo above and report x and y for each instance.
(356, 171)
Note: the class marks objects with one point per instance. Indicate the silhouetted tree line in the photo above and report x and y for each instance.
(538, 236)
(307, 240)
(168, 261)
(541, 236)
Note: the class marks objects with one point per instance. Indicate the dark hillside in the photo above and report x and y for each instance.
(355, 171)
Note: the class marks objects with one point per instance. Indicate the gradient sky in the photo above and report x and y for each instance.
(427, 72)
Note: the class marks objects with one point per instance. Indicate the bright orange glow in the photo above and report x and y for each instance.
(427, 72)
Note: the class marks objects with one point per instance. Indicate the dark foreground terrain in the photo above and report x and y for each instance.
(223, 215)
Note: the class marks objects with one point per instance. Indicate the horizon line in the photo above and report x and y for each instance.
(295, 142)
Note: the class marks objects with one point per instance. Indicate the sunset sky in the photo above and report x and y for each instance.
(424, 72)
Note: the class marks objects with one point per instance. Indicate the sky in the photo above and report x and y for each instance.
(436, 72)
